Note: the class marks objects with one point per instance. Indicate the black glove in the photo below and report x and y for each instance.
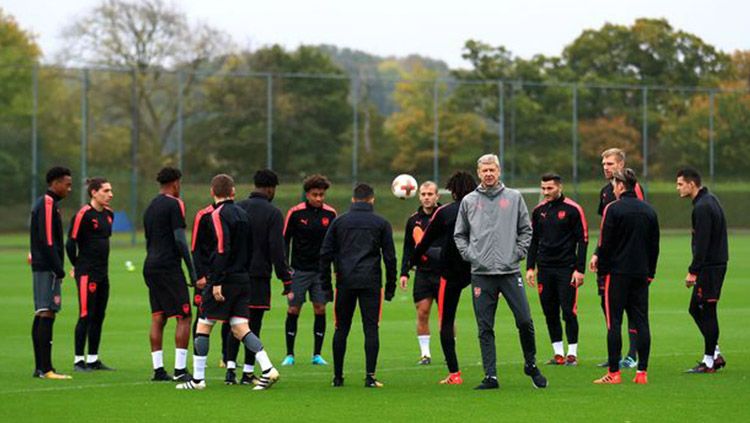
(390, 291)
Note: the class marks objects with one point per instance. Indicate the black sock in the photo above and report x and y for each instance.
(633, 336)
(35, 342)
(291, 332)
(319, 332)
(45, 343)
(82, 328)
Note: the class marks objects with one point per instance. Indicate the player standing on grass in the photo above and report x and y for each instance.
(304, 229)
(558, 252)
(628, 252)
(267, 228)
(47, 259)
(88, 252)
(427, 276)
(166, 246)
(227, 292)
(709, 266)
(355, 243)
(493, 233)
(455, 273)
(613, 159)
(202, 245)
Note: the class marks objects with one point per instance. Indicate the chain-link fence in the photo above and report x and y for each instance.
(126, 124)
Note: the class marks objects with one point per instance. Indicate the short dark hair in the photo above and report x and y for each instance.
(550, 176)
(95, 184)
(316, 182)
(222, 185)
(168, 174)
(460, 184)
(627, 177)
(265, 178)
(363, 192)
(690, 174)
(56, 173)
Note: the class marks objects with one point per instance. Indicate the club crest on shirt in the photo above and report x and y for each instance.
(504, 203)
(477, 291)
(561, 214)
(186, 308)
(325, 221)
(92, 287)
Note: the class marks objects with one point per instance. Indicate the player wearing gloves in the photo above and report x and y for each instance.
(355, 244)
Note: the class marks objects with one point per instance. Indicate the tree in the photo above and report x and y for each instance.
(412, 127)
(156, 41)
(311, 116)
(18, 55)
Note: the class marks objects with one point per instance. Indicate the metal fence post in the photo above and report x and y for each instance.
(513, 128)
(269, 121)
(436, 130)
(645, 134)
(355, 129)
(134, 128)
(180, 142)
(34, 135)
(711, 156)
(574, 134)
(84, 131)
(501, 123)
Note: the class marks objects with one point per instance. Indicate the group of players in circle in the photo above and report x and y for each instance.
(478, 239)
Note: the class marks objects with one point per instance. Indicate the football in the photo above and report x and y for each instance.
(404, 186)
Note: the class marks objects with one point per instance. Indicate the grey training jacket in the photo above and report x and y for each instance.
(493, 231)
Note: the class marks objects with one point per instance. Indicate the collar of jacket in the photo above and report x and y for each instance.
(628, 193)
(701, 192)
(221, 203)
(421, 212)
(256, 194)
(491, 192)
(53, 195)
(558, 200)
(361, 206)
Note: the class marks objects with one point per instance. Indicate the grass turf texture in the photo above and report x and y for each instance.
(411, 392)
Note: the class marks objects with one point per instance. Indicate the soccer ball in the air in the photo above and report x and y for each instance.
(404, 186)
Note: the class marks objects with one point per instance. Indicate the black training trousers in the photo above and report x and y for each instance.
(370, 307)
(626, 293)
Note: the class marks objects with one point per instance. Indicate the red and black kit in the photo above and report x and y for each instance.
(558, 247)
(88, 251)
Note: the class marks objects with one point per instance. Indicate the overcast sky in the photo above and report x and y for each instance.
(435, 28)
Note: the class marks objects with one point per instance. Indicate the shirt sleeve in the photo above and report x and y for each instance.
(406, 255)
(581, 233)
(461, 233)
(534, 246)
(435, 229)
(220, 256)
(276, 245)
(701, 238)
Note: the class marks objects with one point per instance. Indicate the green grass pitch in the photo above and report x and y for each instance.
(411, 392)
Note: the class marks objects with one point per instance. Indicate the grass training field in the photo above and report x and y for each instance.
(411, 392)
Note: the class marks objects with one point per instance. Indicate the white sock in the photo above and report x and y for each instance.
(157, 358)
(249, 368)
(424, 345)
(716, 352)
(573, 350)
(78, 358)
(709, 360)
(558, 348)
(180, 358)
(92, 358)
(263, 361)
(199, 367)
(231, 365)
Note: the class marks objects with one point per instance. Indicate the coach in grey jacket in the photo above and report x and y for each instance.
(493, 233)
